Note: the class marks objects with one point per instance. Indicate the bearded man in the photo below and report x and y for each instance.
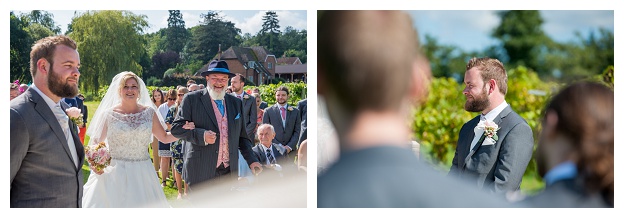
(495, 147)
(46, 152)
(219, 131)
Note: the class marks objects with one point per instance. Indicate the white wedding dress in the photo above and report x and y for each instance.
(130, 180)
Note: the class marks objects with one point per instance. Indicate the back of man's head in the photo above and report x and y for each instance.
(366, 50)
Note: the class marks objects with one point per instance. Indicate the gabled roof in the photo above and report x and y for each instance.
(246, 54)
(292, 68)
(288, 60)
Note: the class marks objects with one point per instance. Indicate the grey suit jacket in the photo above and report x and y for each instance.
(200, 160)
(43, 173)
(260, 152)
(499, 167)
(389, 176)
(250, 113)
(288, 136)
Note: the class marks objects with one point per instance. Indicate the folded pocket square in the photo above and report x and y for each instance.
(488, 141)
(237, 116)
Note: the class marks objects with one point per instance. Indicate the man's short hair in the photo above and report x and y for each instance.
(490, 68)
(371, 49)
(241, 77)
(266, 125)
(44, 48)
(283, 88)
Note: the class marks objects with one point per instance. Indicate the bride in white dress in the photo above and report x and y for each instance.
(126, 119)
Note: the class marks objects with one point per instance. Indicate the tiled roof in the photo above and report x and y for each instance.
(287, 60)
(292, 68)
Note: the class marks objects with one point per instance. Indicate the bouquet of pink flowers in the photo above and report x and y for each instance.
(98, 157)
(75, 115)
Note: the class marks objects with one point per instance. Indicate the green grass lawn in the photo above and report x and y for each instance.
(170, 192)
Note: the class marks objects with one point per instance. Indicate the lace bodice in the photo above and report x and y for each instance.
(129, 135)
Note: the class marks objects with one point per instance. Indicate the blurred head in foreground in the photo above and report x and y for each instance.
(575, 150)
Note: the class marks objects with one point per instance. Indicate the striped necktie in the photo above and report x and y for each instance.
(270, 156)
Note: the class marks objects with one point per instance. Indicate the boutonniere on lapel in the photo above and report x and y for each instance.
(74, 115)
(489, 130)
(290, 108)
(245, 96)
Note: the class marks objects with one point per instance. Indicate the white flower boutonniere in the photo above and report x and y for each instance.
(245, 96)
(290, 108)
(74, 115)
(489, 130)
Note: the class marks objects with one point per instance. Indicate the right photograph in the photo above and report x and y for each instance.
(465, 109)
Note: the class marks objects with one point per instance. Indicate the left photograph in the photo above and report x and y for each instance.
(158, 108)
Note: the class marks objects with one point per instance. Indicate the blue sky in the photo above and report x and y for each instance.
(468, 29)
(471, 30)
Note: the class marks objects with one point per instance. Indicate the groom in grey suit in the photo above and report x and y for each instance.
(216, 114)
(250, 111)
(46, 152)
(492, 160)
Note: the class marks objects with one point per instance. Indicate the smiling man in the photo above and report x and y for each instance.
(46, 153)
(219, 131)
(495, 147)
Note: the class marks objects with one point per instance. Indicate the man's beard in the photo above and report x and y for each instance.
(478, 103)
(214, 94)
(282, 102)
(59, 87)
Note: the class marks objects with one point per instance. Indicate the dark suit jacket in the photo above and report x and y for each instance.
(250, 113)
(260, 152)
(200, 160)
(499, 167)
(568, 193)
(43, 173)
(389, 176)
(286, 136)
(303, 108)
(263, 105)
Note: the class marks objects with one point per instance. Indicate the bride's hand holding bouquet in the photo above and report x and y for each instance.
(98, 157)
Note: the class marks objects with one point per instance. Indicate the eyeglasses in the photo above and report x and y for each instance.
(172, 99)
(223, 80)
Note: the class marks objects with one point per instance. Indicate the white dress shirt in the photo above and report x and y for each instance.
(489, 117)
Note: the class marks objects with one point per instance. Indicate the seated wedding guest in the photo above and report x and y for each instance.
(266, 151)
(14, 91)
(575, 149)
(376, 166)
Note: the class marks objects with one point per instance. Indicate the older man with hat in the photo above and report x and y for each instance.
(219, 131)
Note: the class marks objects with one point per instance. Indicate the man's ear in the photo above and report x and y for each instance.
(493, 86)
(43, 66)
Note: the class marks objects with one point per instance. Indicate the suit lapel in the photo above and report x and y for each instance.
(48, 116)
(231, 114)
(276, 113)
(467, 140)
(207, 102)
(77, 144)
(498, 120)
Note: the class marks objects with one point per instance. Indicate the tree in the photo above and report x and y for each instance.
(294, 40)
(212, 32)
(109, 42)
(176, 32)
(20, 42)
(269, 34)
(523, 38)
(46, 19)
(163, 61)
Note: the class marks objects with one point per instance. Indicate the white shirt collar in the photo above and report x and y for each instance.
(494, 112)
(265, 148)
(47, 99)
(285, 106)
